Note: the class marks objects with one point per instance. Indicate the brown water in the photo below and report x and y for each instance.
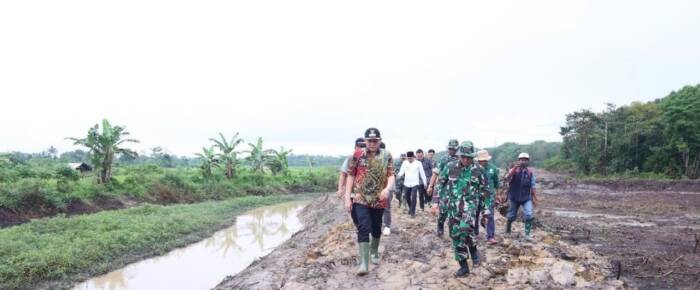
(204, 264)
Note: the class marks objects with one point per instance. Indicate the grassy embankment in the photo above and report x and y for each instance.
(38, 190)
(62, 250)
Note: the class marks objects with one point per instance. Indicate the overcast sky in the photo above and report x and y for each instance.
(312, 75)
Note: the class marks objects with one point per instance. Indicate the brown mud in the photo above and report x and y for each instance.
(323, 256)
(649, 229)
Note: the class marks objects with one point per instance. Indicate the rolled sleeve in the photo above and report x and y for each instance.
(390, 165)
(352, 165)
(344, 167)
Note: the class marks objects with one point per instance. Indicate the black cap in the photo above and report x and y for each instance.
(410, 154)
(382, 145)
(419, 151)
(372, 133)
(360, 142)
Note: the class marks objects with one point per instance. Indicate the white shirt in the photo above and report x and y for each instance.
(413, 171)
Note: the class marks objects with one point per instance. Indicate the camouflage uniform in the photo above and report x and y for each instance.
(398, 187)
(441, 197)
(467, 192)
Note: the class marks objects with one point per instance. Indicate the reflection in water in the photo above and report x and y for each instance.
(204, 264)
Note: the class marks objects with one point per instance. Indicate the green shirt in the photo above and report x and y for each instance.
(492, 175)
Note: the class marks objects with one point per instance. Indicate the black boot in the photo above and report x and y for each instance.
(440, 229)
(476, 261)
(463, 269)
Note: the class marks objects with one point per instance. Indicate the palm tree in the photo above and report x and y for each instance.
(259, 157)
(209, 160)
(228, 155)
(103, 145)
(279, 161)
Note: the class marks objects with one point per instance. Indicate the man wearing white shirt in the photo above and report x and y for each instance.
(414, 175)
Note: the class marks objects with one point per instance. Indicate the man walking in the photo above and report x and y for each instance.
(440, 199)
(343, 175)
(467, 189)
(398, 188)
(412, 170)
(428, 169)
(370, 175)
(521, 193)
(491, 173)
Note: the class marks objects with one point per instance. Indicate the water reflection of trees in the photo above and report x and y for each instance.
(112, 281)
(260, 227)
(260, 224)
(225, 242)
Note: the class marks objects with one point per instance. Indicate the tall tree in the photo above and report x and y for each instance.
(103, 144)
(682, 116)
(583, 139)
(228, 153)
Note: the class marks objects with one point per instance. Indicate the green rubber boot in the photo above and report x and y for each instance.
(363, 269)
(509, 226)
(528, 228)
(374, 250)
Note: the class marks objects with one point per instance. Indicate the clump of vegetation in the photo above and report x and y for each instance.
(44, 182)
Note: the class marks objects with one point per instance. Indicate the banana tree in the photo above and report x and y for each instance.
(208, 158)
(258, 157)
(228, 155)
(279, 161)
(103, 144)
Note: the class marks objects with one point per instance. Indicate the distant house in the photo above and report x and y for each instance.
(81, 166)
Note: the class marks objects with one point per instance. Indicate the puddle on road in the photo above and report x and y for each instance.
(204, 264)
(620, 220)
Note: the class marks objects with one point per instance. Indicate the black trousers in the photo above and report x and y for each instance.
(353, 214)
(411, 198)
(423, 196)
(369, 221)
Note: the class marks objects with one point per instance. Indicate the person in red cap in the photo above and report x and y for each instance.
(370, 176)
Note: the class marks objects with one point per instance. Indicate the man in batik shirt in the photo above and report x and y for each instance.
(370, 176)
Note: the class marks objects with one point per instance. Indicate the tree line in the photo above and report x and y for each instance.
(661, 136)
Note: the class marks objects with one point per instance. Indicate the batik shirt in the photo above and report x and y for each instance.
(371, 175)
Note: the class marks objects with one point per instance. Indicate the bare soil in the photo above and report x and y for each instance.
(649, 229)
(324, 256)
(34, 208)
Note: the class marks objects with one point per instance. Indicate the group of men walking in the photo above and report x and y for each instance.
(461, 188)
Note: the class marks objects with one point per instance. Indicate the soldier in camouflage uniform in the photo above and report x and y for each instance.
(492, 175)
(398, 188)
(467, 192)
(440, 200)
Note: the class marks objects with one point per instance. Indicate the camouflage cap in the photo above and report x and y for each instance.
(453, 144)
(466, 149)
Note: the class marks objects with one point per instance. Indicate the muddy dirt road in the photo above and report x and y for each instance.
(323, 256)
